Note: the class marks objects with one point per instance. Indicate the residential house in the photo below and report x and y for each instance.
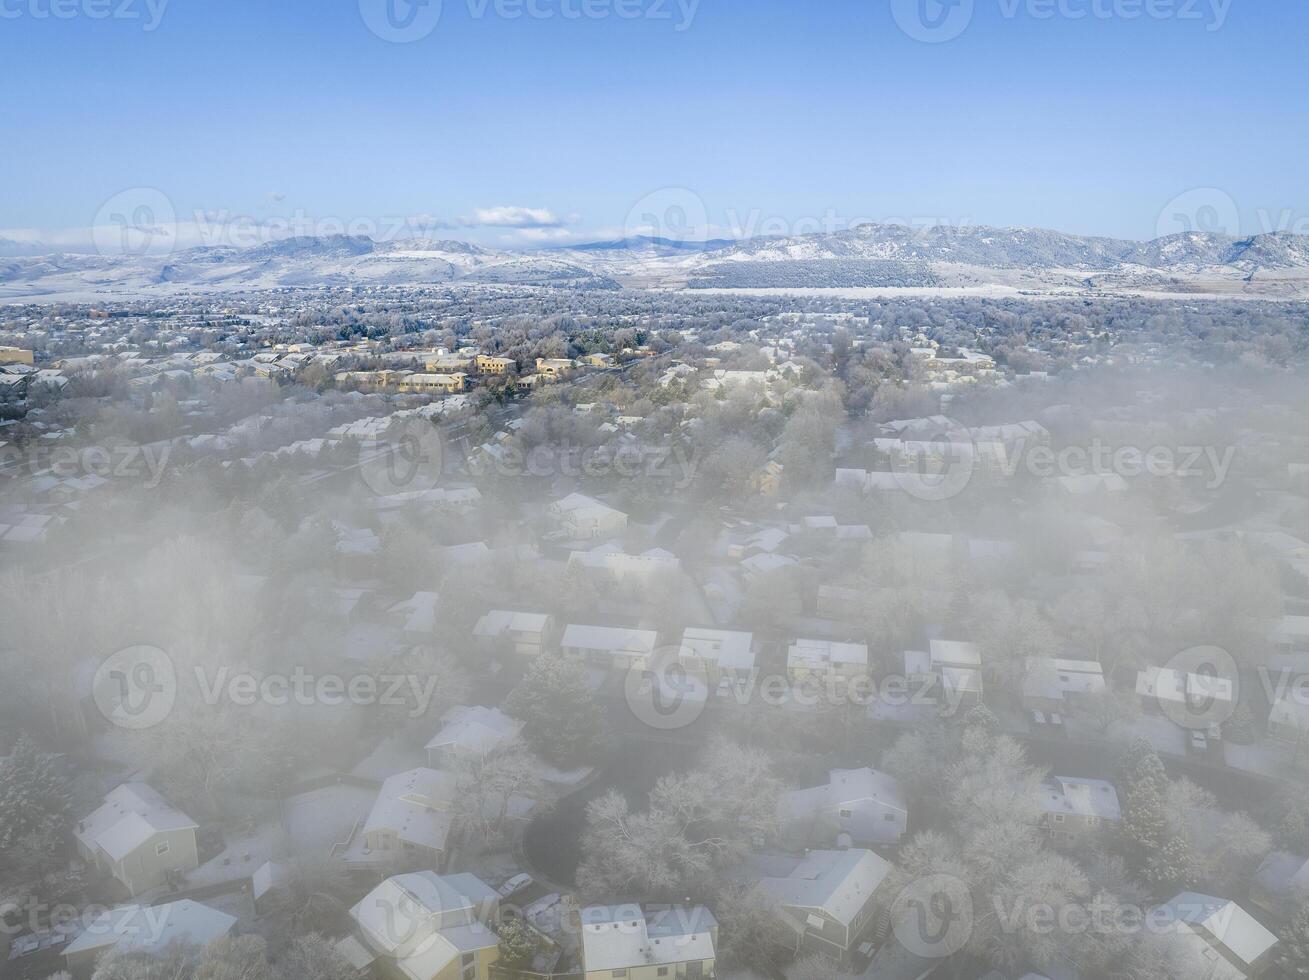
(417, 615)
(610, 646)
(146, 929)
(826, 658)
(409, 824)
(1213, 938)
(1073, 808)
(617, 565)
(16, 355)
(830, 900)
(1163, 686)
(859, 807)
(625, 941)
(138, 837)
(953, 668)
(1053, 684)
(724, 656)
(578, 516)
(523, 633)
(425, 926)
(470, 734)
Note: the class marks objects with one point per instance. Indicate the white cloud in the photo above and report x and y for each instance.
(507, 216)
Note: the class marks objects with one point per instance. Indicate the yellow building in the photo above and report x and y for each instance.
(486, 364)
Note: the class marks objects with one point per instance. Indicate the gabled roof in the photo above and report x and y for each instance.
(1080, 797)
(621, 937)
(476, 729)
(839, 883)
(400, 915)
(1222, 923)
(130, 816)
(415, 805)
(845, 786)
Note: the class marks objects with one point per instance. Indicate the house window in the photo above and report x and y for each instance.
(161, 848)
(1058, 818)
(889, 818)
(847, 814)
(663, 971)
(619, 973)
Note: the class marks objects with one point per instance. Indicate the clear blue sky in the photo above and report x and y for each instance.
(782, 109)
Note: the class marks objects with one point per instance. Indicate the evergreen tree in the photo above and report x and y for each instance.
(34, 795)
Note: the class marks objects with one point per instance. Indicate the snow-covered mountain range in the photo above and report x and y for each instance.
(884, 256)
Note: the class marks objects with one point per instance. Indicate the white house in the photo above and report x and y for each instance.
(723, 655)
(952, 666)
(138, 837)
(1051, 684)
(826, 658)
(470, 734)
(625, 941)
(578, 516)
(1160, 686)
(524, 632)
(1072, 807)
(863, 807)
(610, 646)
(617, 565)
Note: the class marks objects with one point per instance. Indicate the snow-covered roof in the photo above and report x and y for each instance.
(1080, 797)
(621, 937)
(130, 816)
(825, 653)
(497, 621)
(616, 639)
(415, 805)
(145, 928)
(475, 729)
(839, 883)
(1222, 923)
(730, 649)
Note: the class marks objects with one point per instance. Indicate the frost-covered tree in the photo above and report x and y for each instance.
(562, 721)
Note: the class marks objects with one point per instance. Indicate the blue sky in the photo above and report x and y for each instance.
(771, 116)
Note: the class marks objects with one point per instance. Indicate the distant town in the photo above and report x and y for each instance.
(524, 632)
